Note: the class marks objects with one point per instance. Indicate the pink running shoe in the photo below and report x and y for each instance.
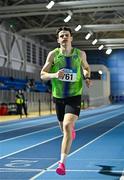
(73, 133)
(61, 169)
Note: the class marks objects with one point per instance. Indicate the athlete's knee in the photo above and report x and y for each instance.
(67, 126)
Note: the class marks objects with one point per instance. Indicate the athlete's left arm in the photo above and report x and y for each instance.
(86, 67)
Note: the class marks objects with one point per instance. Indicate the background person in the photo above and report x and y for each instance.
(21, 103)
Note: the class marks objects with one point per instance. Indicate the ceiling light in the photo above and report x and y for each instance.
(94, 42)
(108, 51)
(11, 25)
(78, 28)
(100, 72)
(73, 3)
(50, 5)
(67, 18)
(101, 47)
(88, 35)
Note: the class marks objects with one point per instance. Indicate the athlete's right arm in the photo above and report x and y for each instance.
(45, 74)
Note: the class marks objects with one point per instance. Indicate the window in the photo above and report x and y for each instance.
(28, 48)
(40, 56)
(33, 53)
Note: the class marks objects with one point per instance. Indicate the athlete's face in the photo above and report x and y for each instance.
(64, 38)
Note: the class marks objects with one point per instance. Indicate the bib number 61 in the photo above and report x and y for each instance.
(68, 77)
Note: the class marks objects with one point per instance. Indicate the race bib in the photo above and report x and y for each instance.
(69, 75)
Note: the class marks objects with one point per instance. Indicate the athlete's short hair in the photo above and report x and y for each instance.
(64, 28)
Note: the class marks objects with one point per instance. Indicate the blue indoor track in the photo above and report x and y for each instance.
(30, 149)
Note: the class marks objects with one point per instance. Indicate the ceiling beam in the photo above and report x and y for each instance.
(78, 11)
(105, 27)
(85, 28)
(113, 5)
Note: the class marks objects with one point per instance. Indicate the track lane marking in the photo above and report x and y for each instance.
(49, 168)
(58, 126)
(104, 119)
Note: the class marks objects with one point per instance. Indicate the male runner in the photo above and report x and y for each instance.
(64, 67)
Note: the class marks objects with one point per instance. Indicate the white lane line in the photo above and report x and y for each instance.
(35, 132)
(97, 138)
(31, 147)
(85, 170)
(75, 159)
(42, 172)
(122, 176)
(72, 159)
(19, 170)
(53, 170)
(27, 126)
(87, 118)
(43, 158)
(48, 119)
(104, 119)
(29, 121)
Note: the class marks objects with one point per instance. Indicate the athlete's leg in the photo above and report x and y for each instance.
(72, 111)
(68, 124)
(73, 134)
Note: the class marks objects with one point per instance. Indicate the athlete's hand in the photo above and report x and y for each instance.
(60, 74)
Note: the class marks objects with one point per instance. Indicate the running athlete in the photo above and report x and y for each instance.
(64, 66)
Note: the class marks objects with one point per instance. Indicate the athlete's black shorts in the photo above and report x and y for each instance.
(67, 105)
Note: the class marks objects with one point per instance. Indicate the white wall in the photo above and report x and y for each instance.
(99, 92)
